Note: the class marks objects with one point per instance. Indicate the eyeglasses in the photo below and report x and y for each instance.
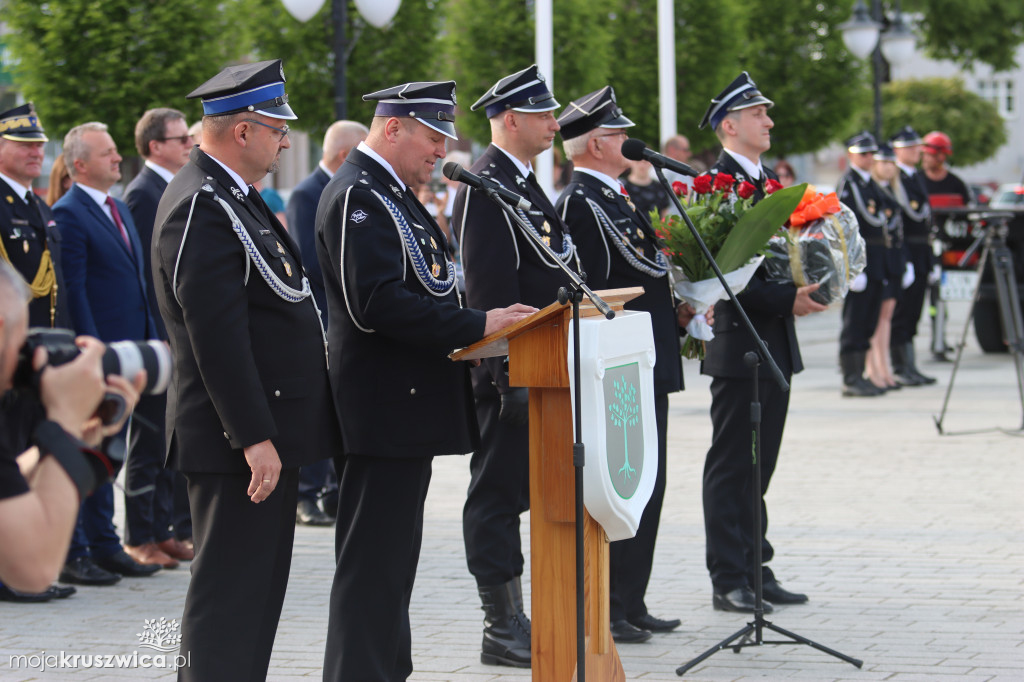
(183, 139)
(283, 131)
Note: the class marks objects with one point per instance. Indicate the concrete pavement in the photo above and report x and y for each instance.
(910, 545)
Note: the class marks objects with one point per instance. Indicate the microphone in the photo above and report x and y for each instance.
(636, 150)
(456, 172)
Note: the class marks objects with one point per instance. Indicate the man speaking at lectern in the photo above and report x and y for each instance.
(618, 249)
(504, 265)
(395, 315)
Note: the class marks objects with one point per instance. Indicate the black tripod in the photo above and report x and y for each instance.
(994, 246)
(752, 360)
(752, 633)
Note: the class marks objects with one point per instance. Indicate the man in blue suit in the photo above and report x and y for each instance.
(107, 296)
(162, 139)
(341, 138)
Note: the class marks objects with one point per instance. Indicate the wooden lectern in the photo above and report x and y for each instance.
(538, 355)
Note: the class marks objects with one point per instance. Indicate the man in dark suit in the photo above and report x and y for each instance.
(341, 137)
(912, 194)
(107, 297)
(395, 316)
(739, 116)
(161, 138)
(250, 401)
(618, 248)
(864, 301)
(503, 265)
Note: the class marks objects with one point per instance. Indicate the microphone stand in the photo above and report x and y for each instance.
(752, 360)
(575, 294)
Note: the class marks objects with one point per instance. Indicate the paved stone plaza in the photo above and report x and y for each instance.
(910, 545)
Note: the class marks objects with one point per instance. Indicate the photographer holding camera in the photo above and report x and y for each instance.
(38, 506)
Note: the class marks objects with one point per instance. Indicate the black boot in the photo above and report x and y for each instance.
(908, 350)
(854, 383)
(901, 368)
(506, 627)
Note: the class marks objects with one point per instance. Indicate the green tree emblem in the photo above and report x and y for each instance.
(625, 413)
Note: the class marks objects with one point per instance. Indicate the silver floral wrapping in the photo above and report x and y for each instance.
(829, 250)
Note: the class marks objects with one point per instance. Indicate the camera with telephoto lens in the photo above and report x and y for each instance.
(123, 358)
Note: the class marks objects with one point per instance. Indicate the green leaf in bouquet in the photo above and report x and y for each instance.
(757, 225)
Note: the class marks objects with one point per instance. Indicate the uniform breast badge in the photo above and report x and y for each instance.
(433, 245)
(280, 249)
(24, 246)
(546, 239)
(435, 267)
(546, 227)
(288, 268)
(10, 199)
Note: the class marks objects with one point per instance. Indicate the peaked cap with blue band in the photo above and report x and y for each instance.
(742, 93)
(885, 153)
(431, 103)
(21, 124)
(522, 91)
(862, 143)
(906, 137)
(257, 87)
(595, 110)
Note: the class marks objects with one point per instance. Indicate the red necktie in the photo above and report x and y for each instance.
(117, 221)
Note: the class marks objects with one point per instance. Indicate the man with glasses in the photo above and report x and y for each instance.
(619, 249)
(250, 401)
(504, 265)
(162, 139)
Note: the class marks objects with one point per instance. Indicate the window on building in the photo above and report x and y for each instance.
(1002, 93)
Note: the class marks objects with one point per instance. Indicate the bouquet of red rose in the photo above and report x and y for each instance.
(736, 232)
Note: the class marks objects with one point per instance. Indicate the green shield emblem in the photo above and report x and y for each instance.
(624, 428)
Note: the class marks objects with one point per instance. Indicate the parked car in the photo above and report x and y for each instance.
(1008, 196)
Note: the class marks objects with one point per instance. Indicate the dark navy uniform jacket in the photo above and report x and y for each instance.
(868, 201)
(26, 229)
(394, 319)
(768, 305)
(502, 264)
(249, 365)
(616, 250)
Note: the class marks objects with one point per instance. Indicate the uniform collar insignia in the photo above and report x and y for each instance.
(607, 191)
(237, 193)
(397, 191)
(520, 180)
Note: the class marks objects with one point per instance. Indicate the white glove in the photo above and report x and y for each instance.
(859, 283)
(908, 276)
(935, 276)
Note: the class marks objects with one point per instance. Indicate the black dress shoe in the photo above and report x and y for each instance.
(308, 514)
(19, 597)
(774, 592)
(82, 571)
(623, 632)
(740, 600)
(649, 622)
(122, 564)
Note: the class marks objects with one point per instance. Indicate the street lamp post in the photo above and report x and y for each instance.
(378, 13)
(887, 41)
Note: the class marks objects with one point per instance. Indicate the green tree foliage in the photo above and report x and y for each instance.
(81, 60)
(706, 60)
(488, 39)
(965, 32)
(973, 123)
(402, 52)
(802, 66)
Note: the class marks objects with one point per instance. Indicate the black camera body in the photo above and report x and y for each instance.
(123, 358)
